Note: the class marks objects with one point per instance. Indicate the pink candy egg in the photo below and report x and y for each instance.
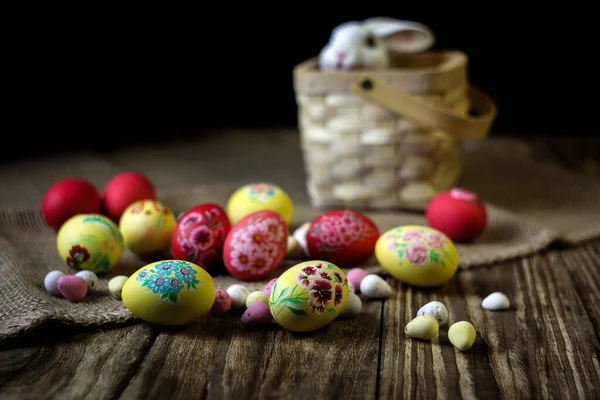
(72, 287)
(269, 286)
(258, 315)
(222, 302)
(355, 277)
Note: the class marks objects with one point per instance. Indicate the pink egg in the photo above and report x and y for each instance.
(269, 286)
(222, 302)
(256, 245)
(258, 315)
(72, 287)
(355, 277)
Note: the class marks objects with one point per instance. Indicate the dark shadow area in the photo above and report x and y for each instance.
(97, 80)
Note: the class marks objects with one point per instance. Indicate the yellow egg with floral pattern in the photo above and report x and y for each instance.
(309, 296)
(417, 255)
(258, 197)
(169, 292)
(147, 227)
(90, 242)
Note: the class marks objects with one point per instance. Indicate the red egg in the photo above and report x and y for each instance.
(200, 234)
(256, 245)
(458, 213)
(124, 189)
(343, 237)
(68, 198)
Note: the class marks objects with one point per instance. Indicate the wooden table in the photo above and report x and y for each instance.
(546, 346)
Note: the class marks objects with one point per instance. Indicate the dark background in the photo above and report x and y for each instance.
(97, 79)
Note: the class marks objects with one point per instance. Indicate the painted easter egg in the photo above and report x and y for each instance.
(90, 242)
(169, 292)
(417, 255)
(256, 245)
(200, 234)
(309, 296)
(147, 227)
(257, 197)
(343, 237)
(458, 213)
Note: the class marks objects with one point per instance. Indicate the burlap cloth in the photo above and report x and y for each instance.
(531, 203)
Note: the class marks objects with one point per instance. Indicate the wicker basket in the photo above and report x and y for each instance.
(387, 139)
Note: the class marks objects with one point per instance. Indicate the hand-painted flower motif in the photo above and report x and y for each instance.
(319, 289)
(168, 278)
(78, 255)
(411, 234)
(261, 192)
(416, 252)
(435, 240)
(200, 234)
(418, 244)
(256, 247)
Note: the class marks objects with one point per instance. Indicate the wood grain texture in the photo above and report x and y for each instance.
(66, 363)
(218, 358)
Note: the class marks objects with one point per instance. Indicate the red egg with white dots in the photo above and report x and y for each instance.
(458, 213)
(67, 198)
(200, 234)
(345, 238)
(256, 245)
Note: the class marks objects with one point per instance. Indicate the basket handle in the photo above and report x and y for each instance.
(424, 112)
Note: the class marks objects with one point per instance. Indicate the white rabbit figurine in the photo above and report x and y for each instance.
(367, 44)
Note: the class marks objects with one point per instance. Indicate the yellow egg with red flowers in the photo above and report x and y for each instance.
(90, 242)
(309, 296)
(147, 227)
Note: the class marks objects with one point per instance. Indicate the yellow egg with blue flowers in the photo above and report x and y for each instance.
(258, 197)
(169, 292)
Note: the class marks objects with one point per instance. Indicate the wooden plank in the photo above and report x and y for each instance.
(66, 362)
(544, 346)
(218, 358)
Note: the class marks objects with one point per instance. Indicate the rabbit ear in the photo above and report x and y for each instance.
(402, 36)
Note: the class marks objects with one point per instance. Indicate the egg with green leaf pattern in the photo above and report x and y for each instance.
(90, 242)
(309, 296)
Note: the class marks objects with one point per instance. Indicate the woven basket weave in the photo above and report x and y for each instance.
(387, 139)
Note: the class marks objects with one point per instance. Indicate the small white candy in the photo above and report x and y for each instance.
(50, 282)
(437, 310)
(239, 294)
(496, 301)
(300, 236)
(115, 285)
(375, 287)
(352, 307)
(88, 276)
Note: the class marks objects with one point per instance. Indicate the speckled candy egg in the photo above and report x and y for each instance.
(147, 227)
(309, 296)
(91, 242)
(199, 235)
(458, 213)
(417, 255)
(169, 292)
(343, 237)
(256, 245)
(257, 197)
